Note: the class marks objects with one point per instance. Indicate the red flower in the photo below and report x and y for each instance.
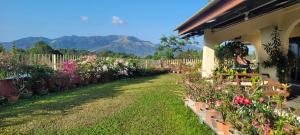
(238, 100)
(246, 101)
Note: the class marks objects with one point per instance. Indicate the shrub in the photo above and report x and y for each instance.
(38, 78)
(249, 110)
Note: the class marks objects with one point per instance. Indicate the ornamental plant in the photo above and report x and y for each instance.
(248, 109)
(69, 68)
(276, 55)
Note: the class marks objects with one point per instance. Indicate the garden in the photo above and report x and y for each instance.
(23, 80)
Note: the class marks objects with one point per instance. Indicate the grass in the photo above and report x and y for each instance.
(150, 105)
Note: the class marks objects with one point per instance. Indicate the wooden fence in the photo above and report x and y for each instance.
(56, 61)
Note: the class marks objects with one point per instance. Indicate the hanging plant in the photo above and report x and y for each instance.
(276, 55)
(226, 52)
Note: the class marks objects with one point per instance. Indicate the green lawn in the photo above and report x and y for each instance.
(150, 105)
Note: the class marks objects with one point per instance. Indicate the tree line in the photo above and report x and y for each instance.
(170, 48)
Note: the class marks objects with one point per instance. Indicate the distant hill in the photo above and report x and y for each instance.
(116, 43)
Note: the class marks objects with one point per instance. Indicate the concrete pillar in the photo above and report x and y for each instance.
(208, 61)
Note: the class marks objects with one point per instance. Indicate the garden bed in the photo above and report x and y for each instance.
(247, 110)
(41, 79)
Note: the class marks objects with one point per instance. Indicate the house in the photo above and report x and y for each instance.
(253, 22)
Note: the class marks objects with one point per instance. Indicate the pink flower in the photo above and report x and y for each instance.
(261, 100)
(218, 88)
(218, 103)
(267, 129)
(69, 68)
(255, 124)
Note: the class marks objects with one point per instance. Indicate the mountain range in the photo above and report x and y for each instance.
(116, 43)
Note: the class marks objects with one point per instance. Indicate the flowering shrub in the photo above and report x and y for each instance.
(69, 68)
(41, 79)
(10, 66)
(248, 109)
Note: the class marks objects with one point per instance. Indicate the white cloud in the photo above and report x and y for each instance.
(84, 18)
(117, 20)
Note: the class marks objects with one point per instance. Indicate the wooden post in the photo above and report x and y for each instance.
(54, 61)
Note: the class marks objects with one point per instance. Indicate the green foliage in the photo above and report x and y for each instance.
(276, 56)
(250, 110)
(190, 54)
(17, 51)
(10, 66)
(115, 54)
(38, 77)
(41, 48)
(69, 51)
(170, 47)
(226, 52)
(164, 53)
(2, 49)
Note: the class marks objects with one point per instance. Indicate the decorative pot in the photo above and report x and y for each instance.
(8, 89)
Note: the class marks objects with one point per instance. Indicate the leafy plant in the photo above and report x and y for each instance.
(276, 55)
(226, 52)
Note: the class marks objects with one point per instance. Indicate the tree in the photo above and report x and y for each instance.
(170, 47)
(69, 51)
(190, 54)
(115, 54)
(41, 48)
(16, 50)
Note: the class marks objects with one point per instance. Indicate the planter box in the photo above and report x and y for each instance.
(198, 106)
(8, 90)
(210, 114)
(223, 127)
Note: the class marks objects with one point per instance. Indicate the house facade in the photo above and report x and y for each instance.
(253, 22)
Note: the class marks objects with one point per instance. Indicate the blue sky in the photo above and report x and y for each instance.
(145, 19)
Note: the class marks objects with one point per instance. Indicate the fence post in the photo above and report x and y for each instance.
(146, 63)
(54, 61)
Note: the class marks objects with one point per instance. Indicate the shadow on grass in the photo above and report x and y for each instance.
(63, 101)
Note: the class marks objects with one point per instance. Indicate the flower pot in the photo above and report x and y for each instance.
(7, 88)
(225, 128)
(198, 106)
(210, 114)
(202, 113)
